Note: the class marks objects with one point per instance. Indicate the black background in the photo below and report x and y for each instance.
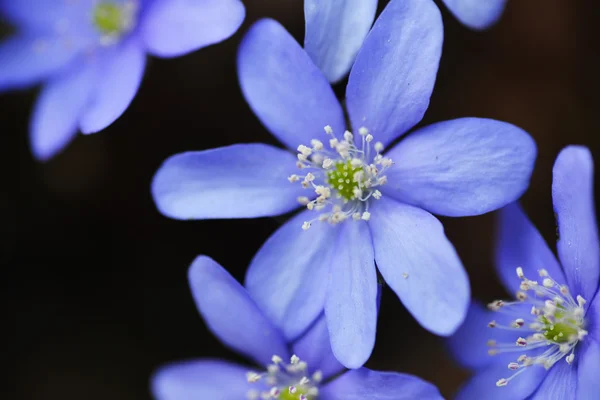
(93, 292)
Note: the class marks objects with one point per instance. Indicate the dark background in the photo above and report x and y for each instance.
(93, 292)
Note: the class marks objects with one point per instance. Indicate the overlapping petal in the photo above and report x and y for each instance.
(420, 265)
(361, 384)
(335, 31)
(588, 384)
(121, 74)
(238, 181)
(204, 379)
(483, 384)
(314, 347)
(56, 114)
(231, 314)
(171, 28)
(392, 79)
(351, 303)
(43, 15)
(519, 244)
(573, 198)
(289, 275)
(286, 91)
(476, 14)
(27, 59)
(560, 383)
(467, 166)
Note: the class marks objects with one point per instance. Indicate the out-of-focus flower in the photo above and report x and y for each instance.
(303, 370)
(476, 14)
(361, 207)
(91, 55)
(546, 344)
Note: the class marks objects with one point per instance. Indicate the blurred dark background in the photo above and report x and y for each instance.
(94, 294)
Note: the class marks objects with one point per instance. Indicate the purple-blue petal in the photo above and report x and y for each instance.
(335, 31)
(238, 181)
(314, 347)
(121, 73)
(588, 384)
(202, 379)
(573, 198)
(519, 244)
(289, 275)
(392, 79)
(351, 303)
(483, 384)
(420, 265)
(27, 59)
(286, 91)
(363, 384)
(55, 117)
(170, 28)
(476, 14)
(560, 383)
(231, 314)
(44, 15)
(466, 166)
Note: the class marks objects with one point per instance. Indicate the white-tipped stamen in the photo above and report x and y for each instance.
(289, 381)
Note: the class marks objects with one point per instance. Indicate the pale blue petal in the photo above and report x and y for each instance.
(420, 265)
(289, 275)
(286, 91)
(351, 303)
(476, 14)
(45, 15)
(519, 244)
(203, 379)
(314, 347)
(121, 74)
(466, 166)
(588, 384)
(394, 73)
(171, 28)
(56, 113)
(573, 198)
(335, 31)
(238, 181)
(560, 383)
(231, 314)
(364, 384)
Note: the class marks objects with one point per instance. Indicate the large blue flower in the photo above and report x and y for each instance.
(376, 211)
(92, 53)
(550, 338)
(303, 370)
(336, 29)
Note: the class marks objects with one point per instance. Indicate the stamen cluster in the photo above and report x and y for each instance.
(286, 381)
(344, 178)
(554, 324)
(114, 20)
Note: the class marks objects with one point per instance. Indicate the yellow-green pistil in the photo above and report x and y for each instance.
(109, 18)
(286, 395)
(341, 178)
(560, 332)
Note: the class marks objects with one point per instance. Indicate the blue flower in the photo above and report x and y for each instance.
(476, 14)
(304, 369)
(362, 208)
(91, 55)
(546, 345)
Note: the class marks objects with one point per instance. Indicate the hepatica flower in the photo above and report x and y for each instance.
(303, 370)
(91, 55)
(546, 343)
(362, 204)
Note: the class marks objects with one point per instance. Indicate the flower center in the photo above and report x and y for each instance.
(555, 324)
(285, 381)
(344, 178)
(114, 19)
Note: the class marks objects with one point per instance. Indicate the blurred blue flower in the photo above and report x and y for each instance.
(305, 369)
(476, 14)
(91, 55)
(462, 167)
(550, 338)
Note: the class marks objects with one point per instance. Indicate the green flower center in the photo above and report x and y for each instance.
(108, 18)
(560, 332)
(341, 178)
(286, 395)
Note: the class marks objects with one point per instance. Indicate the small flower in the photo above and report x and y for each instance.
(546, 344)
(91, 55)
(365, 204)
(303, 370)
